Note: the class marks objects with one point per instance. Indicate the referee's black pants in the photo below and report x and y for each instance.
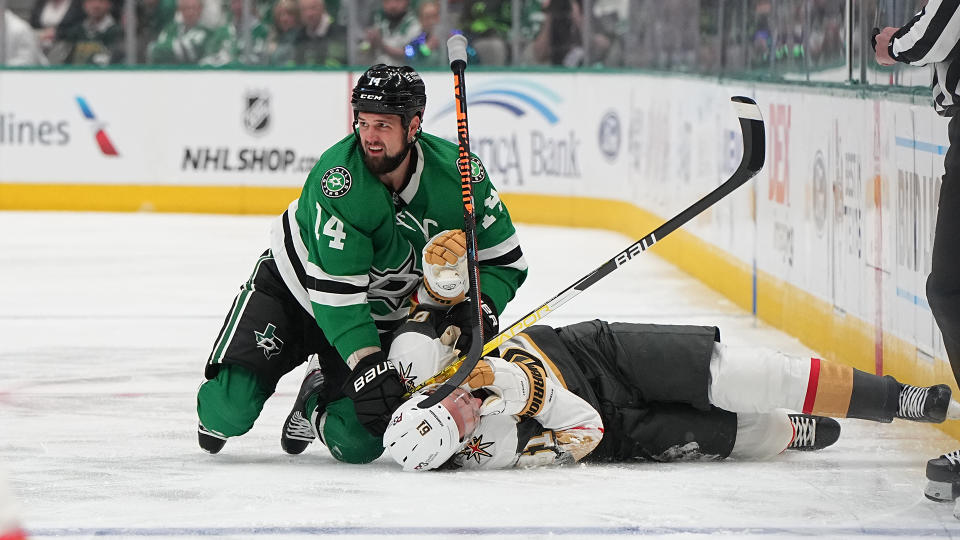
(943, 283)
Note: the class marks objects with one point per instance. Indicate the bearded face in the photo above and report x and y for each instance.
(383, 141)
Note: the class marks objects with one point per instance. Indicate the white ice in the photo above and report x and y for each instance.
(107, 320)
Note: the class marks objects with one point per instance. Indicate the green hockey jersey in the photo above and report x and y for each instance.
(349, 249)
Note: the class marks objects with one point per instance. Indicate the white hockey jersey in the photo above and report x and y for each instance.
(565, 432)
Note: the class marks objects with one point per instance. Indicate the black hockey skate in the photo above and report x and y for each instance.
(924, 403)
(210, 441)
(812, 432)
(298, 431)
(943, 477)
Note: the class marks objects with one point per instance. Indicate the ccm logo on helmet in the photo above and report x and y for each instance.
(372, 373)
(374, 97)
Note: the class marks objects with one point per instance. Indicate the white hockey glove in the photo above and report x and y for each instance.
(516, 388)
(445, 274)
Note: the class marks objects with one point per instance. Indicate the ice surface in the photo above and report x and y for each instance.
(107, 320)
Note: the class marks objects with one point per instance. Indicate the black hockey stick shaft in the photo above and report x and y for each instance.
(457, 49)
(754, 153)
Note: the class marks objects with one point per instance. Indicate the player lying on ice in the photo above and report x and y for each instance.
(598, 391)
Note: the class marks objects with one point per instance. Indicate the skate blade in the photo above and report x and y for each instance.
(953, 410)
(939, 491)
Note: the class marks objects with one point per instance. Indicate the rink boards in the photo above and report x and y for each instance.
(831, 242)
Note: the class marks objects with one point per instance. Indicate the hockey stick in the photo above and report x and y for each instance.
(457, 52)
(754, 151)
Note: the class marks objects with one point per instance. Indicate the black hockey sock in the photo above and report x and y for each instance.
(873, 397)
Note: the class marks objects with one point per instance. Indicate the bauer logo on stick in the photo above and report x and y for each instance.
(336, 182)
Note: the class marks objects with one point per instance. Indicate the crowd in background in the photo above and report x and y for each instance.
(707, 36)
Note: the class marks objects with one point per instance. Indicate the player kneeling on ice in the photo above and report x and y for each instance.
(598, 391)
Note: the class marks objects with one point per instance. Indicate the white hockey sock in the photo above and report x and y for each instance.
(757, 380)
(762, 436)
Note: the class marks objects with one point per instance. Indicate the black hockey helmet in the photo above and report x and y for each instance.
(390, 90)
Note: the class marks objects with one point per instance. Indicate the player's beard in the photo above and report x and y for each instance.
(385, 164)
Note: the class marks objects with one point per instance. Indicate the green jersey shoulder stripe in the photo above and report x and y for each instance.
(507, 254)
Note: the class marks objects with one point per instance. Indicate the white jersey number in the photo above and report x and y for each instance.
(332, 228)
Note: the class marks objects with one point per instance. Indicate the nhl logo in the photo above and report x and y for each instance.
(256, 116)
(336, 182)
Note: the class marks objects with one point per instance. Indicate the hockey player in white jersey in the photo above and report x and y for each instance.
(601, 391)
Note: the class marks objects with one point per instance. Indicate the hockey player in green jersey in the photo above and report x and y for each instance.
(345, 268)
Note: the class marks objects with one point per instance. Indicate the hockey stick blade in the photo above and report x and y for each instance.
(754, 155)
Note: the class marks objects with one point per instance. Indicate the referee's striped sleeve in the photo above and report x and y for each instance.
(930, 36)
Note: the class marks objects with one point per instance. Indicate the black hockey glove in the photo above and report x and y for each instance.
(375, 388)
(460, 316)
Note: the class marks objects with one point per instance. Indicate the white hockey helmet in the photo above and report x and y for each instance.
(424, 439)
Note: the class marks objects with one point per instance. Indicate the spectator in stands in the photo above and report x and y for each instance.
(282, 39)
(394, 26)
(321, 42)
(21, 48)
(425, 50)
(826, 33)
(230, 36)
(762, 34)
(487, 24)
(560, 41)
(152, 17)
(98, 40)
(51, 17)
(185, 40)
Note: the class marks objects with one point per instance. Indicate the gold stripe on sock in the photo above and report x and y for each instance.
(833, 390)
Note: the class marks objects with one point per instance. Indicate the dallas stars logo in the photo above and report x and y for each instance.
(476, 448)
(268, 341)
(476, 170)
(393, 285)
(336, 182)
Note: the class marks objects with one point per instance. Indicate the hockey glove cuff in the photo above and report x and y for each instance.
(516, 388)
(460, 316)
(376, 390)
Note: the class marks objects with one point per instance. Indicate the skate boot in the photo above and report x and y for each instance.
(924, 403)
(210, 441)
(813, 432)
(298, 431)
(943, 477)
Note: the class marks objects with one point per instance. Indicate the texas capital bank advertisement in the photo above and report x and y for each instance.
(547, 133)
(170, 127)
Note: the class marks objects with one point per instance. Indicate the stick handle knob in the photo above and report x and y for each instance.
(457, 50)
